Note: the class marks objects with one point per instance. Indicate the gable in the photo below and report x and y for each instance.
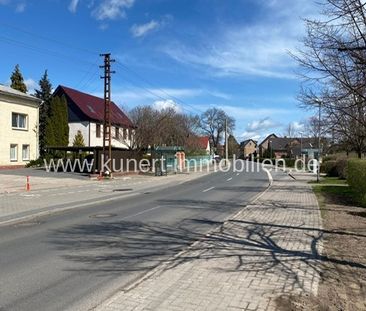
(86, 107)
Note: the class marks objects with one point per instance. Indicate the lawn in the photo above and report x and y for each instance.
(333, 190)
(330, 181)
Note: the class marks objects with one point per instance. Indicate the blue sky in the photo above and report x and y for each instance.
(191, 54)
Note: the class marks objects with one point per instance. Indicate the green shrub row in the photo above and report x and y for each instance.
(335, 168)
(356, 178)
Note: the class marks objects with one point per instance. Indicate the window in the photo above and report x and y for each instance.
(25, 152)
(19, 121)
(124, 134)
(129, 134)
(13, 152)
(98, 131)
(117, 132)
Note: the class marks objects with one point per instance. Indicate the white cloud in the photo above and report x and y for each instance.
(73, 5)
(165, 104)
(31, 85)
(103, 26)
(142, 30)
(263, 124)
(246, 50)
(298, 126)
(258, 49)
(248, 113)
(112, 9)
(20, 8)
(219, 94)
(251, 135)
(257, 129)
(139, 96)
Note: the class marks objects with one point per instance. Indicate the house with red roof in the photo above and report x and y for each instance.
(199, 143)
(86, 114)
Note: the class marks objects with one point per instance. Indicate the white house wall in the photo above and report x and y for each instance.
(8, 135)
(83, 127)
(89, 131)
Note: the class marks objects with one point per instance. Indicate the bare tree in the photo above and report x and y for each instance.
(290, 131)
(159, 128)
(212, 123)
(334, 68)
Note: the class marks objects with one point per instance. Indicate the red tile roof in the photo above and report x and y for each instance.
(203, 142)
(198, 142)
(93, 107)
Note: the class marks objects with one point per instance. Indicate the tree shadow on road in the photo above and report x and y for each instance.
(114, 247)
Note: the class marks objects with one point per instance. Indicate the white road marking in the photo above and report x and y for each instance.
(229, 179)
(237, 174)
(208, 189)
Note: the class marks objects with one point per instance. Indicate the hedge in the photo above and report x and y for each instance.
(335, 168)
(341, 166)
(357, 178)
(329, 168)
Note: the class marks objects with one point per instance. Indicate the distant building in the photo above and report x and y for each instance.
(285, 147)
(199, 143)
(86, 114)
(247, 148)
(19, 127)
(265, 144)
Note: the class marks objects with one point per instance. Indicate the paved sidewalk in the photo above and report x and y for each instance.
(268, 249)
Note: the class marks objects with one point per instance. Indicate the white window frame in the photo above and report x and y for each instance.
(25, 128)
(28, 154)
(15, 159)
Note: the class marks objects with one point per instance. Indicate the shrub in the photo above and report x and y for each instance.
(35, 163)
(357, 178)
(341, 167)
(329, 168)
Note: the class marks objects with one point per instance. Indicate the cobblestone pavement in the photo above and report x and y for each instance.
(270, 248)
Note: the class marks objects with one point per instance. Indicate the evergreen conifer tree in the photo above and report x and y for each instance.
(57, 128)
(44, 93)
(79, 140)
(17, 80)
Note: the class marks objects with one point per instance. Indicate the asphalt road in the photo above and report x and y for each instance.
(75, 259)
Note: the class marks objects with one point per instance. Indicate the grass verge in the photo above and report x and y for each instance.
(330, 181)
(333, 190)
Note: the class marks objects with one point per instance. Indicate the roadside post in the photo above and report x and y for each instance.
(27, 185)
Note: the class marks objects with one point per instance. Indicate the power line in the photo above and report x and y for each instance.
(62, 56)
(43, 50)
(146, 90)
(159, 89)
(71, 46)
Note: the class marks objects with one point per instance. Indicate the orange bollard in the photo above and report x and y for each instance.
(28, 184)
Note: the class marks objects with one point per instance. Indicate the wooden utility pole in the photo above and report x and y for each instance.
(107, 127)
(226, 144)
(319, 145)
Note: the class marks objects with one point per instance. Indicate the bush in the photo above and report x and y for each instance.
(329, 168)
(357, 178)
(341, 166)
(35, 163)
